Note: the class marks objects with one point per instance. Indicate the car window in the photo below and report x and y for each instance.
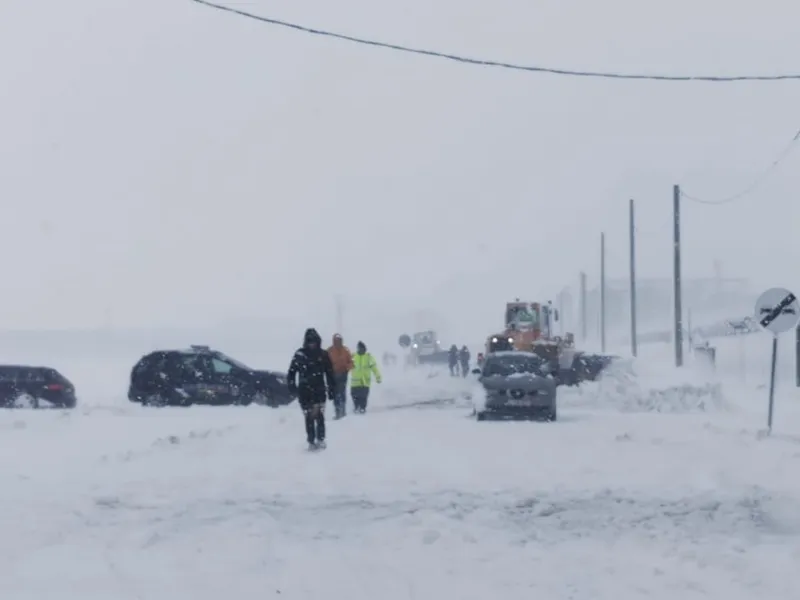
(232, 361)
(8, 374)
(195, 363)
(22, 375)
(221, 366)
(182, 367)
(512, 365)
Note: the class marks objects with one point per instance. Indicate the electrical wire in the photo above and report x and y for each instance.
(494, 63)
(783, 155)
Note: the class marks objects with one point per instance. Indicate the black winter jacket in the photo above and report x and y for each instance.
(310, 370)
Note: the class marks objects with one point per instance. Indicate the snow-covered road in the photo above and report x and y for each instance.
(115, 502)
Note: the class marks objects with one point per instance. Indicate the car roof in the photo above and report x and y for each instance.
(187, 351)
(33, 367)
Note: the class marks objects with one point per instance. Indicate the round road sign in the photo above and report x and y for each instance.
(777, 310)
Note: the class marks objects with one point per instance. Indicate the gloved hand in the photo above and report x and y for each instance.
(378, 380)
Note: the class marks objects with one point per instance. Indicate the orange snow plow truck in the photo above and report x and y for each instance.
(529, 327)
(526, 324)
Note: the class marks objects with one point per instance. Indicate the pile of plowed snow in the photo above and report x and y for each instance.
(628, 386)
(638, 387)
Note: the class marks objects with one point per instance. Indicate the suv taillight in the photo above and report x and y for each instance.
(54, 387)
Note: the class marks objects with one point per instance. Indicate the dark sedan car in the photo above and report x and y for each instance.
(35, 387)
(200, 375)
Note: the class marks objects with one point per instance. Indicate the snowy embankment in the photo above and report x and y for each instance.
(633, 493)
(643, 387)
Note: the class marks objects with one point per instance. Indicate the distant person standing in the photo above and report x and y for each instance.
(342, 360)
(463, 358)
(452, 360)
(364, 366)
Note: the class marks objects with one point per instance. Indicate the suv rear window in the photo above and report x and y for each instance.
(511, 365)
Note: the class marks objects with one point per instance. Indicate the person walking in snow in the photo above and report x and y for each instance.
(342, 360)
(364, 366)
(311, 378)
(452, 360)
(463, 358)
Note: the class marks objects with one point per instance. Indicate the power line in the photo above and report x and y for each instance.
(494, 63)
(783, 155)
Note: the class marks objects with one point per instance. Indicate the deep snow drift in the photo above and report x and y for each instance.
(650, 485)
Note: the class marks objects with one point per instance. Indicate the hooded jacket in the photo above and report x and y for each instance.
(341, 357)
(311, 371)
(364, 366)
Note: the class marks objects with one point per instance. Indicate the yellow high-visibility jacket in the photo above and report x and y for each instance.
(364, 366)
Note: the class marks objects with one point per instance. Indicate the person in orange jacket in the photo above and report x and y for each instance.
(342, 360)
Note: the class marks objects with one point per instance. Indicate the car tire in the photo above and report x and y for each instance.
(480, 416)
(244, 400)
(263, 399)
(552, 416)
(154, 400)
(26, 401)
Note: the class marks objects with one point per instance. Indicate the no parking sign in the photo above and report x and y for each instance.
(777, 310)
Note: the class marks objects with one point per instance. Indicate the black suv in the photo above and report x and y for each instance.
(35, 387)
(201, 375)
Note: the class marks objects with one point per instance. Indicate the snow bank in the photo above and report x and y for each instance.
(644, 387)
(627, 386)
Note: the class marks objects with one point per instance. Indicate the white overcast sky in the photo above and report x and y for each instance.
(164, 163)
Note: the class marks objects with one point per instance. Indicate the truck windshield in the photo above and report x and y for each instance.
(522, 317)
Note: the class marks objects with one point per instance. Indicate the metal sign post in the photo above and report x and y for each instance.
(772, 382)
(797, 356)
(777, 310)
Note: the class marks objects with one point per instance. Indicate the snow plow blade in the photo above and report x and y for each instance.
(588, 367)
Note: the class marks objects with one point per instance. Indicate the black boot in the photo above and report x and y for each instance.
(310, 429)
(320, 423)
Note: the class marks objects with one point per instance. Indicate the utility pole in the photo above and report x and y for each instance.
(676, 241)
(582, 301)
(339, 314)
(634, 350)
(602, 292)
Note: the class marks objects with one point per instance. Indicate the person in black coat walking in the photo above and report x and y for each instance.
(463, 358)
(311, 379)
(452, 360)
